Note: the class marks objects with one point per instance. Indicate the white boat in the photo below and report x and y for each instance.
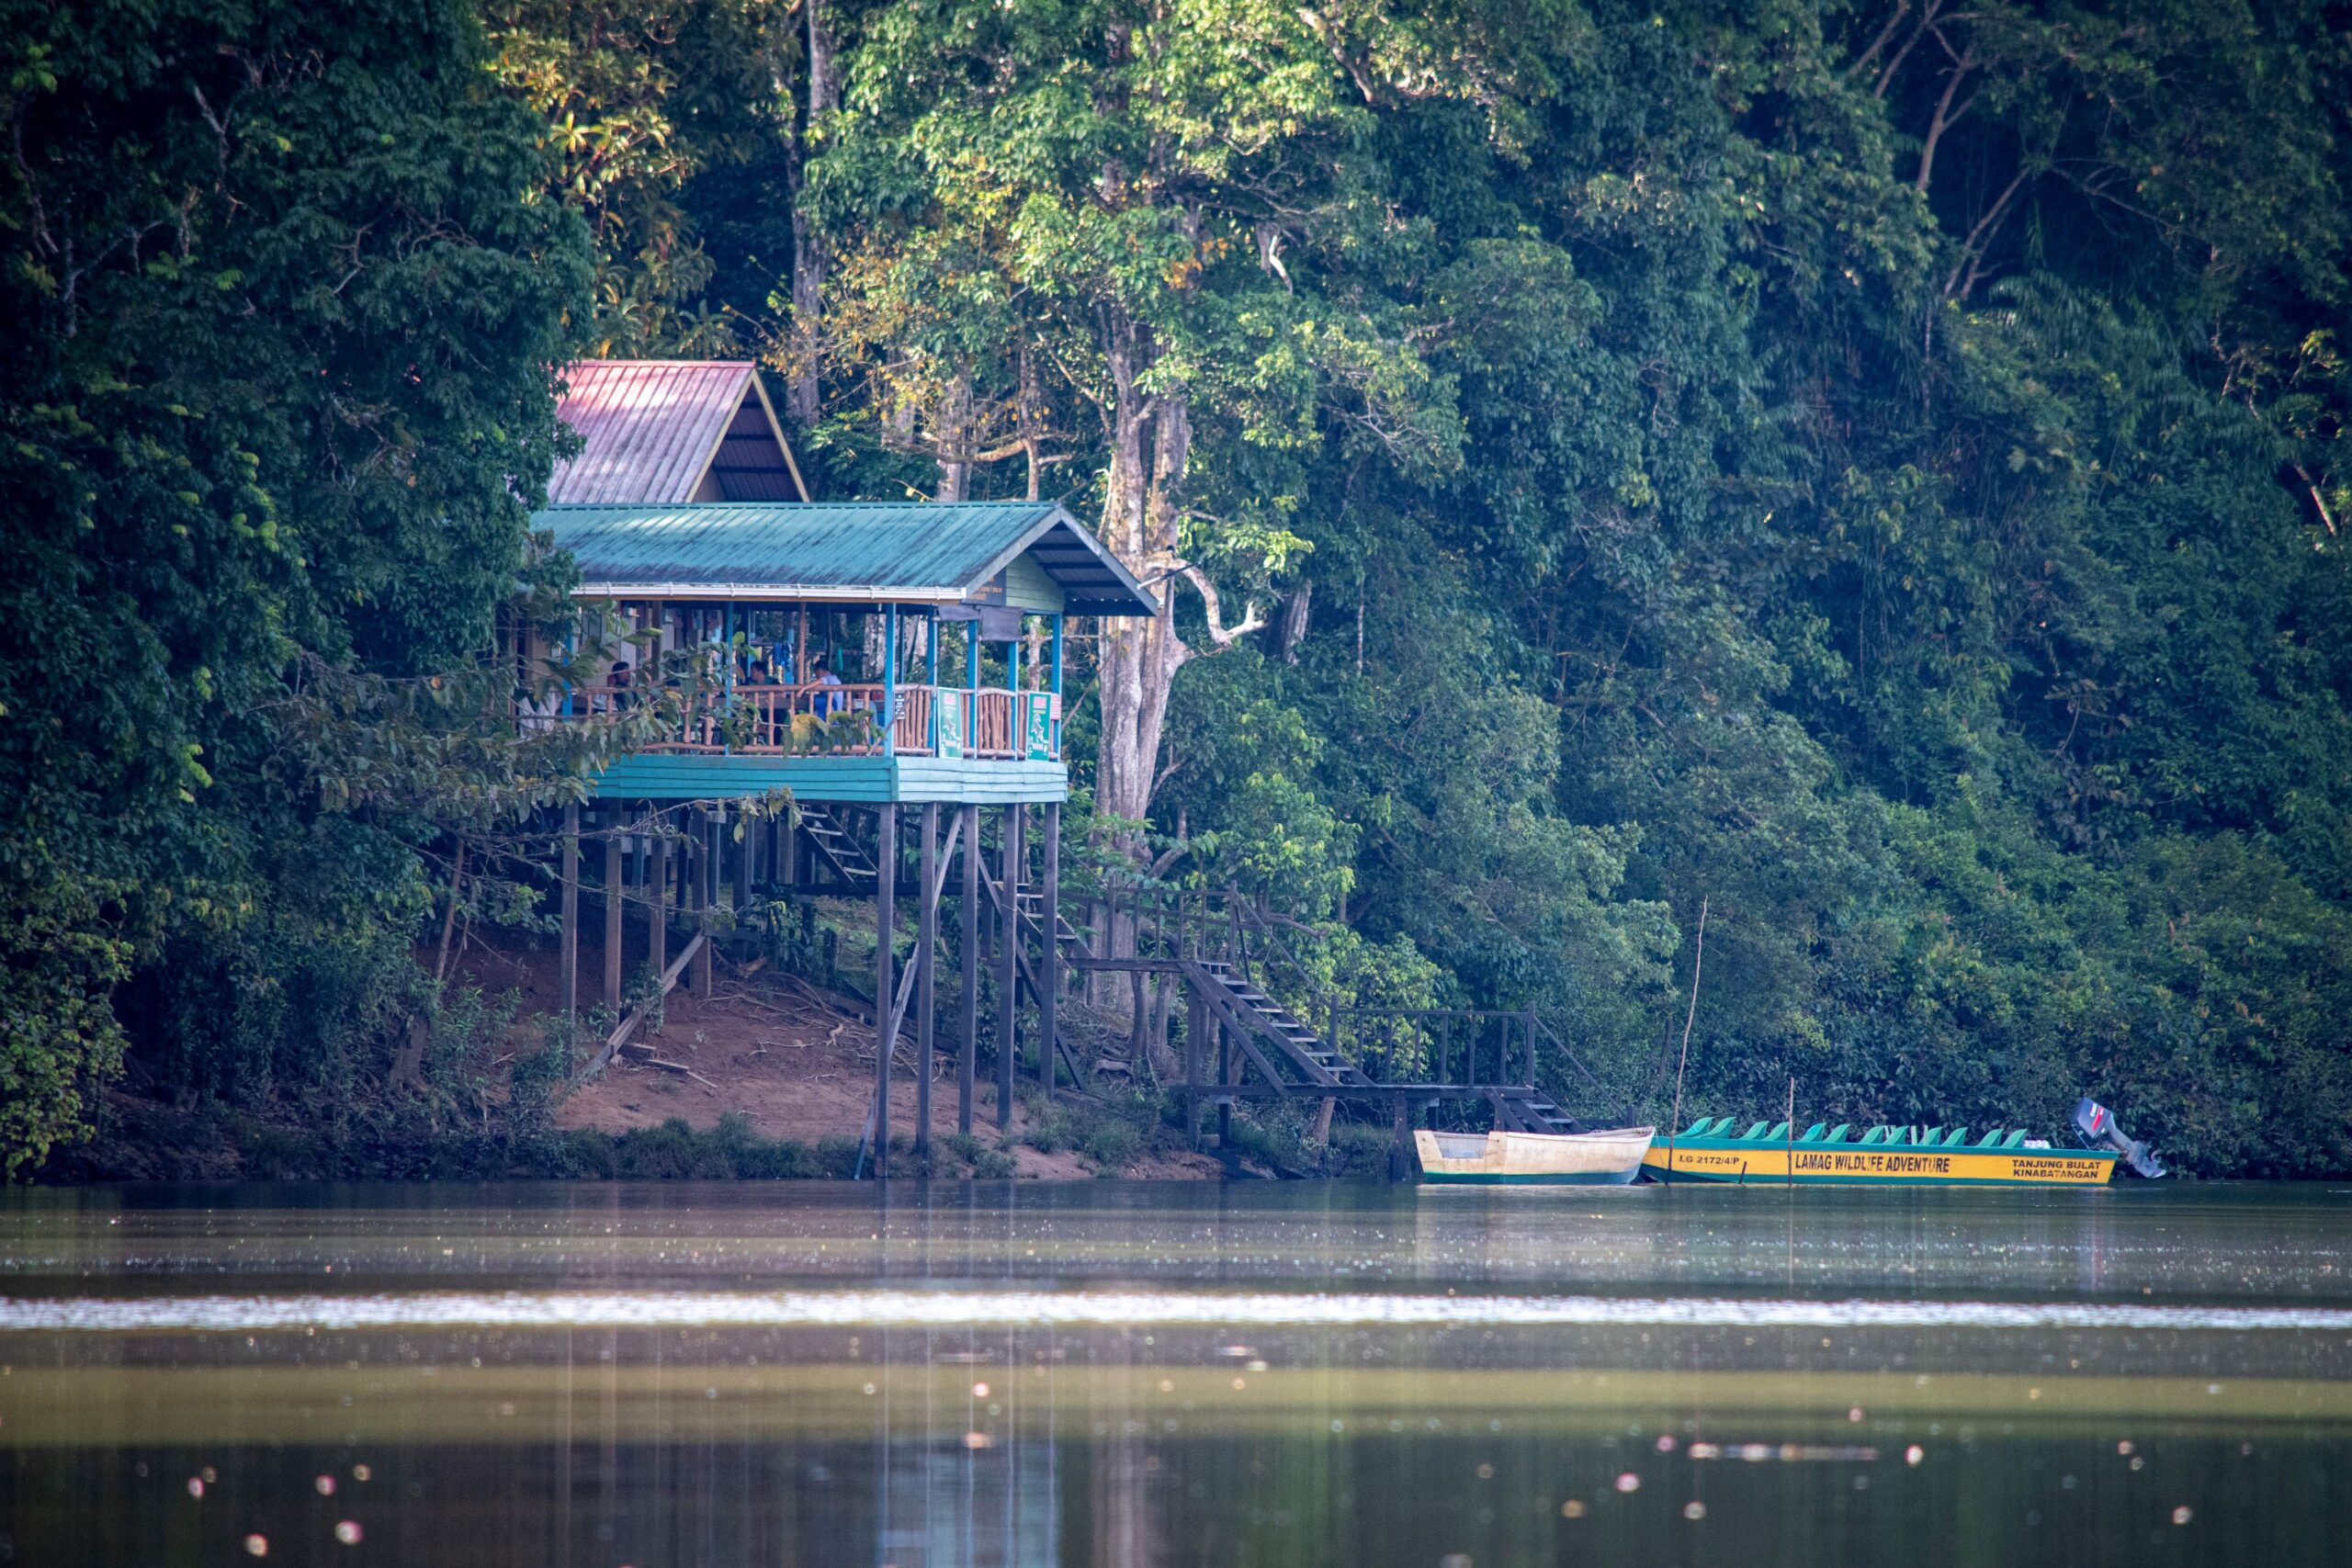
(1514, 1159)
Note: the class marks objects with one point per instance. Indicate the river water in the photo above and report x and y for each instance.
(1130, 1373)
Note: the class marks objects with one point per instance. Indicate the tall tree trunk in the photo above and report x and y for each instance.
(955, 439)
(1143, 508)
(1129, 651)
(808, 250)
(1030, 443)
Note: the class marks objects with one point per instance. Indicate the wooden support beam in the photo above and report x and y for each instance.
(1008, 995)
(1366, 1093)
(1229, 1071)
(1196, 1024)
(886, 918)
(1400, 1153)
(706, 872)
(613, 925)
(967, 1045)
(926, 949)
(620, 1036)
(1026, 973)
(1050, 982)
(657, 905)
(567, 953)
(747, 859)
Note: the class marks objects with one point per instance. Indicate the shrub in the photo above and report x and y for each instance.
(1110, 1144)
(1357, 1149)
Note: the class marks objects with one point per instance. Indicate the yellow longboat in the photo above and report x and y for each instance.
(1711, 1150)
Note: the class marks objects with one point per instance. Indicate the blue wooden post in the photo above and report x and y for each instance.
(890, 708)
(972, 685)
(727, 672)
(931, 649)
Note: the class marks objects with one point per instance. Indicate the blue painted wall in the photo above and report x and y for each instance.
(662, 775)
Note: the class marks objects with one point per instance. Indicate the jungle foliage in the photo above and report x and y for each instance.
(1877, 467)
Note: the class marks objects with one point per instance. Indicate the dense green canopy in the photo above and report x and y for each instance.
(1878, 470)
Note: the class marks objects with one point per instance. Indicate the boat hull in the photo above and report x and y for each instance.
(1532, 1159)
(1733, 1161)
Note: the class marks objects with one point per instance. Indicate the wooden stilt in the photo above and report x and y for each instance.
(568, 957)
(613, 925)
(967, 1045)
(1049, 968)
(657, 898)
(1008, 994)
(885, 917)
(1196, 1025)
(706, 875)
(746, 860)
(926, 946)
(1400, 1153)
(1225, 1062)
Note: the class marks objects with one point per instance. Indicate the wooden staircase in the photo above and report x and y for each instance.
(1522, 1108)
(837, 848)
(1237, 995)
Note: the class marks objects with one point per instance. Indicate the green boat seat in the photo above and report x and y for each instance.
(1837, 1135)
(1876, 1135)
(1753, 1132)
(1992, 1139)
(1959, 1136)
(1812, 1133)
(2014, 1140)
(1779, 1133)
(1716, 1128)
(1699, 1128)
(1934, 1135)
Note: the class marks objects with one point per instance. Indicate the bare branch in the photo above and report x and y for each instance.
(2318, 500)
(1862, 62)
(1944, 117)
(1220, 635)
(1972, 250)
(1886, 77)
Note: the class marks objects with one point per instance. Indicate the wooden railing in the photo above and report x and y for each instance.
(840, 719)
(1153, 924)
(990, 724)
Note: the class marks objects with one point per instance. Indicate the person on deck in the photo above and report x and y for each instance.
(821, 674)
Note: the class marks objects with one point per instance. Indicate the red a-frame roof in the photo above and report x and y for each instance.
(667, 432)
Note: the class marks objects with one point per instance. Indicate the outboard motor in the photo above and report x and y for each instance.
(2096, 1122)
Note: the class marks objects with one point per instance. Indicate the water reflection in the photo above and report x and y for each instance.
(1129, 1375)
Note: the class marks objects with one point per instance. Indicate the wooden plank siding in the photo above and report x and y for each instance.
(1029, 586)
(864, 780)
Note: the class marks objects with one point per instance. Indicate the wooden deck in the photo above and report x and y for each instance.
(855, 744)
(834, 719)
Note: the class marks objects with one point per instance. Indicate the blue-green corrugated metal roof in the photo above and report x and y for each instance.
(857, 551)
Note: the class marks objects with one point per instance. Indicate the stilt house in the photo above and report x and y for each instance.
(881, 660)
(867, 656)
